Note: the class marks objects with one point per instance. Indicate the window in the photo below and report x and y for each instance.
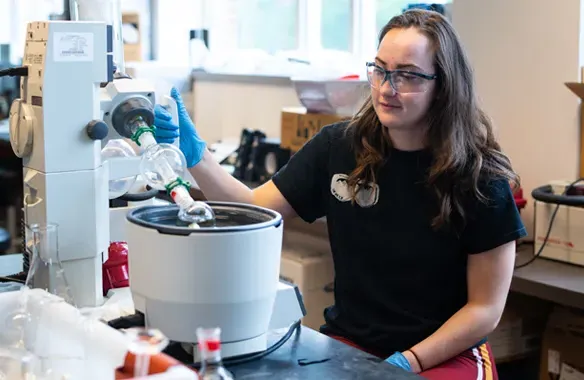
(171, 41)
(270, 25)
(386, 9)
(336, 24)
(273, 25)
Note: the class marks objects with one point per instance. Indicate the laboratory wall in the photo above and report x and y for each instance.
(522, 52)
(223, 107)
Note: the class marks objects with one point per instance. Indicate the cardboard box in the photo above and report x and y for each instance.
(562, 353)
(521, 328)
(298, 126)
(133, 46)
(307, 263)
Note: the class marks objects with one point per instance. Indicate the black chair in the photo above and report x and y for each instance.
(10, 192)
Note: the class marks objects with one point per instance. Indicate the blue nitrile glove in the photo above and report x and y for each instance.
(192, 146)
(400, 361)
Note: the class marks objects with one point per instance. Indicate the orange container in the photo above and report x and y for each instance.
(158, 364)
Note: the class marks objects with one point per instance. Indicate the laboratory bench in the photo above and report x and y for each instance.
(307, 354)
(549, 280)
(310, 355)
(545, 279)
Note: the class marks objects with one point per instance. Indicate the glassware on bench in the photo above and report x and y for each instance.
(45, 287)
(17, 364)
(209, 344)
(45, 272)
(145, 343)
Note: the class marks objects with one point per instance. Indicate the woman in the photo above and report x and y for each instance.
(416, 191)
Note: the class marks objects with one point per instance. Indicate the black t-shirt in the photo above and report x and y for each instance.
(397, 279)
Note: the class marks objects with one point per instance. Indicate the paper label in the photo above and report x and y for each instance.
(554, 362)
(33, 59)
(570, 373)
(72, 47)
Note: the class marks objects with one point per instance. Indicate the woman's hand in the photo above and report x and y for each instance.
(192, 146)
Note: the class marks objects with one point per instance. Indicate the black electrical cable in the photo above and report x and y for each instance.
(228, 362)
(11, 279)
(544, 194)
(21, 71)
(17, 277)
(138, 319)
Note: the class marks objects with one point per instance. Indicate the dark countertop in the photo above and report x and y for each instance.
(550, 280)
(345, 362)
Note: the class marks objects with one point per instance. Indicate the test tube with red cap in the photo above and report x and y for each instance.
(209, 343)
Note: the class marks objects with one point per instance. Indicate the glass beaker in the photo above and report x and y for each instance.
(46, 271)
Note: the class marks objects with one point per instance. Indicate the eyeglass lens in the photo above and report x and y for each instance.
(401, 82)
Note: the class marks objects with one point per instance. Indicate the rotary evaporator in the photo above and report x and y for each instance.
(84, 130)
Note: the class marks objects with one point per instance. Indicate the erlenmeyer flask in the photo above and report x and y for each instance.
(46, 271)
(44, 300)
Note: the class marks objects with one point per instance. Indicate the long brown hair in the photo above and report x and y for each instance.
(460, 135)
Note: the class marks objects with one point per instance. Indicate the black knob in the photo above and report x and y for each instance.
(97, 130)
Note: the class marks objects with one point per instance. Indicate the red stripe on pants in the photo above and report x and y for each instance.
(473, 364)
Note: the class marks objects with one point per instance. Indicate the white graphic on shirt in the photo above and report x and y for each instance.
(367, 196)
(339, 187)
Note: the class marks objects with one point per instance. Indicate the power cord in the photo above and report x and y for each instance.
(228, 362)
(16, 277)
(11, 279)
(543, 194)
(21, 71)
(138, 319)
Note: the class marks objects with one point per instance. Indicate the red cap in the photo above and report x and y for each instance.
(213, 345)
(115, 269)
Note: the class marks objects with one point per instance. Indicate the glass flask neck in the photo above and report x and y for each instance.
(212, 366)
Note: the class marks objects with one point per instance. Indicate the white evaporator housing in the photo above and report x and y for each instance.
(223, 275)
